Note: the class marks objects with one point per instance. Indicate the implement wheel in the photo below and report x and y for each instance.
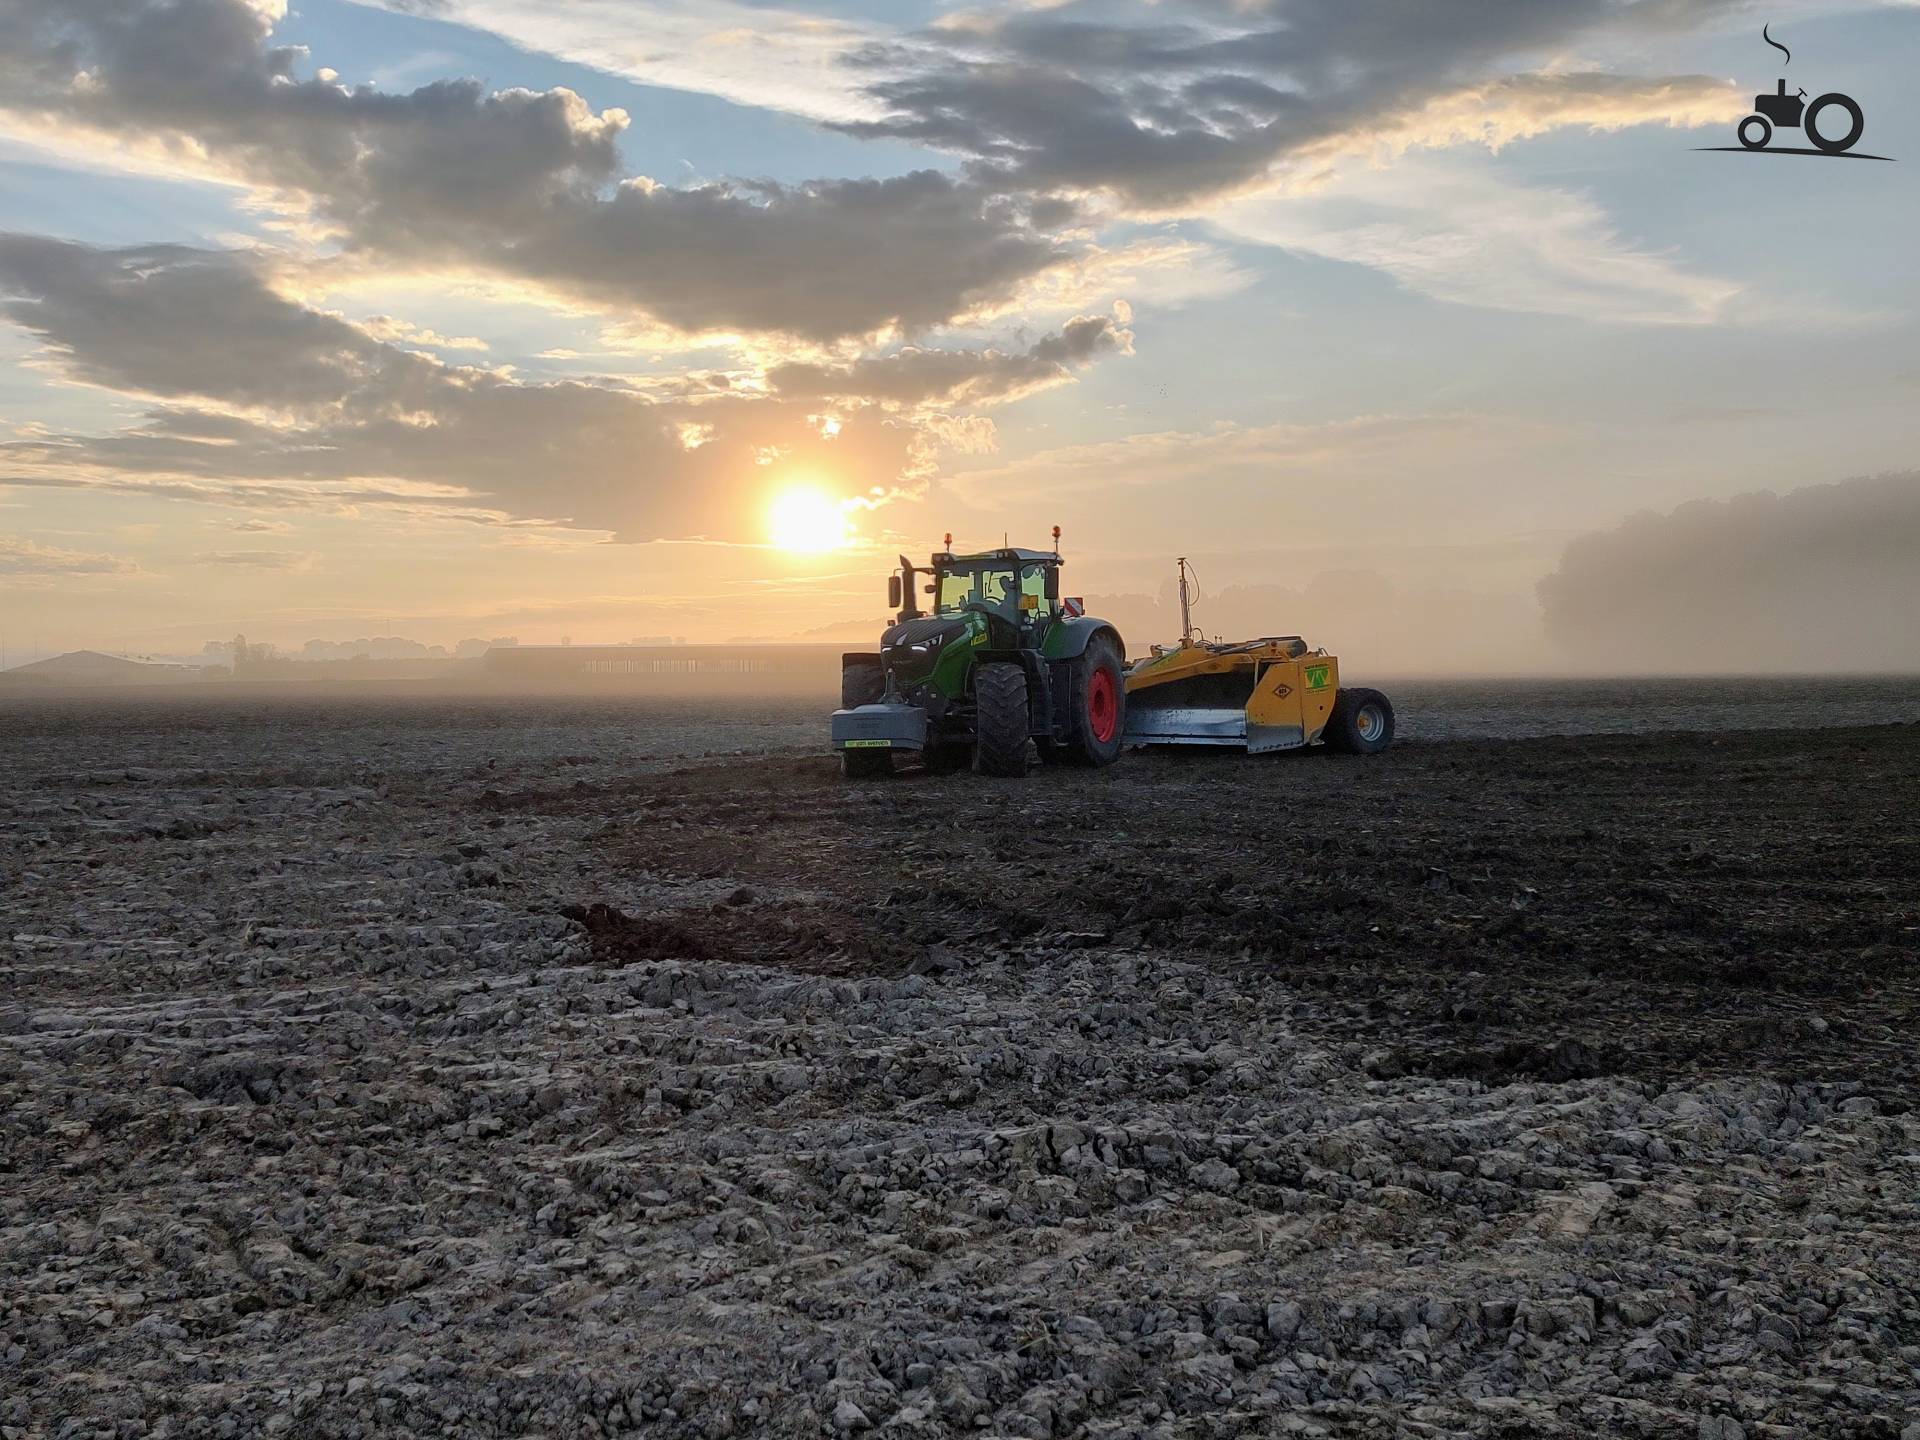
(1097, 715)
(1000, 720)
(1361, 723)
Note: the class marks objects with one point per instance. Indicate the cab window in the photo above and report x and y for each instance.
(955, 591)
(993, 587)
(1033, 581)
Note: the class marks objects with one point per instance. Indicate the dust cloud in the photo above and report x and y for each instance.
(1825, 579)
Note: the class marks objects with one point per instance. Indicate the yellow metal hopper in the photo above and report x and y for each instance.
(1273, 693)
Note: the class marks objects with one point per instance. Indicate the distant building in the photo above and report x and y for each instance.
(91, 667)
(546, 664)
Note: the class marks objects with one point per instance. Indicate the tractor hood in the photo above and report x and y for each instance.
(912, 646)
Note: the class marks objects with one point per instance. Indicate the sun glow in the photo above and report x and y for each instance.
(808, 521)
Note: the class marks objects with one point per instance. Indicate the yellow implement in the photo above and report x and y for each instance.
(1273, 693)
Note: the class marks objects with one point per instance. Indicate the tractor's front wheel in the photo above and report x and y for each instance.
(1000, 719)
(1098, 705)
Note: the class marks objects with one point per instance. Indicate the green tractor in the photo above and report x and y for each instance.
(1001, 660)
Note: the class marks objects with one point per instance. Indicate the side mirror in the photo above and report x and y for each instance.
(1053, 584)
(893, 592)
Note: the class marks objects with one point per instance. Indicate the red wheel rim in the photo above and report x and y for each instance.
(1103, 712)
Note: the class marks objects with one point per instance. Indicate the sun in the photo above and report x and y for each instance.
(807, 520)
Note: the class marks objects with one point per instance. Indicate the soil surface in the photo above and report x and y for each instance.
(475, 1071)
(1566, 907)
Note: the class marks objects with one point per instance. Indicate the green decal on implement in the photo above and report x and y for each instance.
(1318, 676)
(867, 744)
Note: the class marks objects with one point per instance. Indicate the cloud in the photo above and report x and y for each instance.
(404, 332)
(824, 260)
(1516, 107)
(914, 377)
(1201, 102)
(1465, 235)
(254, 559)
(172, 320)
(1818, 579)
(260, 401)
(1166, 271)
(24, 559)
(1231, 460)
(517, 184)
(752, 53)
(1207, 102)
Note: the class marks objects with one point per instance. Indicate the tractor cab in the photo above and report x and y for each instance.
(1021, 587)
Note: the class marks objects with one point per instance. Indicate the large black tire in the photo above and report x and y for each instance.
(1097, 704)
(866, 764)
(1361, 723)
(1000, 719)
(863, 682)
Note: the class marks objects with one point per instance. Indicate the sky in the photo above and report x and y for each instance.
(1426, 328)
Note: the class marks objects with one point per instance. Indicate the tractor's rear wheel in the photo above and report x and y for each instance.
(862, 682)
(1000, 719)
(1097, 705)
(866, 764)
(1361, 723)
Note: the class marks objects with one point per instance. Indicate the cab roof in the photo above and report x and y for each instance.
(1010, 556)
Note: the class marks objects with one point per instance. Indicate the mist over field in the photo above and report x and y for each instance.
(1821, 579)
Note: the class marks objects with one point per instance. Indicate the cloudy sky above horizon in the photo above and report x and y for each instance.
(609, 318)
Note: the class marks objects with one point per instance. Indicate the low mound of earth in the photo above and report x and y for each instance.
(479, 1080)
